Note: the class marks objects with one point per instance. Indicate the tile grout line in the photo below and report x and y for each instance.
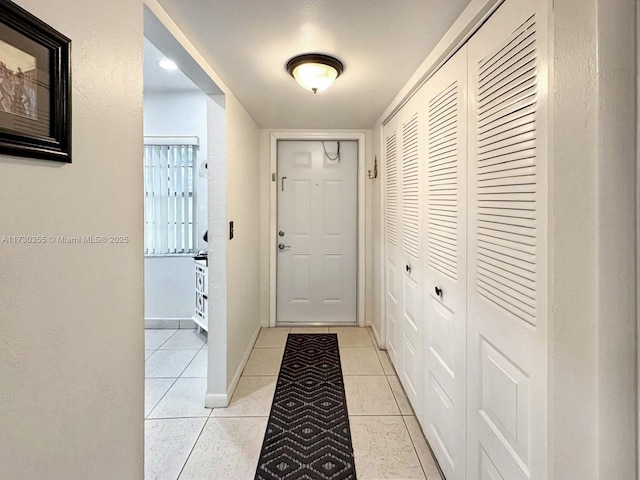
(380, 363)
(204, 342)
(413, 444)
(174, 349)
(433, 456)
(162, 419)
(194, 445)
(169, 338)
(394, 395)
(188, 364)
(183, 370)
(158, 347)
(164, 395)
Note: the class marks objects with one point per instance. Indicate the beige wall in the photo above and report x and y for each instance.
(593, 285)
(376, 278)
(71, 316)
(573, 246)
(243, 252)
(265, 225)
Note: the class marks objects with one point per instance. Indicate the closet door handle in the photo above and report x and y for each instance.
(439, 291)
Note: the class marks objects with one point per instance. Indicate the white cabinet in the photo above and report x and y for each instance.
(201, 313)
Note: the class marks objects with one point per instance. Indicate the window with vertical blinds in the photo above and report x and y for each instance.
(169, 196)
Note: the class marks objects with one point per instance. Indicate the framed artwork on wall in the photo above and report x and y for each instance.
(35, 87)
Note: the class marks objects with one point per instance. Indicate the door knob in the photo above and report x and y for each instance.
(282, 246)
(439, 291)
(408, 268)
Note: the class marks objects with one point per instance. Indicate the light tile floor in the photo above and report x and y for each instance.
(184, 440)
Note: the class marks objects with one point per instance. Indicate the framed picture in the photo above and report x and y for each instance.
(35, 86)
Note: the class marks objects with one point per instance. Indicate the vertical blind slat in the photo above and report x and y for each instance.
(186, 198)
(173, 246)
(147, 176)
(164, 205)
(191, 232)
(157, 200)
(179, 199)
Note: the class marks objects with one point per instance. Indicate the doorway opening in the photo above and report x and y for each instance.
(185, 232)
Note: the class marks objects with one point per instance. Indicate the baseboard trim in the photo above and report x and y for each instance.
(222, 400)
(216, 401)
(376, 335)
(169, 323)
(243, 363)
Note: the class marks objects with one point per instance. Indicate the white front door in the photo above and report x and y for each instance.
(317, 232)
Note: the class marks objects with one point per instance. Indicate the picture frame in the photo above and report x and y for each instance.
(35, 87)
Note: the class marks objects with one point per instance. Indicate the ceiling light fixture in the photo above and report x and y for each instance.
(168, 64)
(315, 72)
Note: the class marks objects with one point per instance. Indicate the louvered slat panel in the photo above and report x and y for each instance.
(410, 187)
(507, 181)
(442, 179)
(391, 192)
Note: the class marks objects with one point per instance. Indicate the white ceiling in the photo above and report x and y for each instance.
(380, 42)
(157, 78)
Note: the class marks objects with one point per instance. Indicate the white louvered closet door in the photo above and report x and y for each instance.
(445, 266)
(507, 289)
(411, 324)
(393, 274)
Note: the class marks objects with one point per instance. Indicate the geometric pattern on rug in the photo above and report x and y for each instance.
(308, 435)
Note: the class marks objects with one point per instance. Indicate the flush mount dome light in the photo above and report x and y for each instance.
(315, 72)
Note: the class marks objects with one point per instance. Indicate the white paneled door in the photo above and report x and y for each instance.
(445, 264)
(317, 232)
(393, 274)
(411, 324)
(404, 323)
(507, 309)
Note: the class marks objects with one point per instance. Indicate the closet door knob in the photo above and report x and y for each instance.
(408, 268)
(439, 291)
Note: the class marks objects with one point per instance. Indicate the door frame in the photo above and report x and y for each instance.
(328, 135)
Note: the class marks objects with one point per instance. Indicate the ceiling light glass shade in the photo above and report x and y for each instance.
(315, 72)
(315, 77)
(168, 64)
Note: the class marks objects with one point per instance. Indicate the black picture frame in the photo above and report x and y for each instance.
(35, 104)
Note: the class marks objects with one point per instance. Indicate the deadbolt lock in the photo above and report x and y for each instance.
(281, 233)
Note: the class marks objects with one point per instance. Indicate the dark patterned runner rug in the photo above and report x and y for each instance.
(308, 436)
